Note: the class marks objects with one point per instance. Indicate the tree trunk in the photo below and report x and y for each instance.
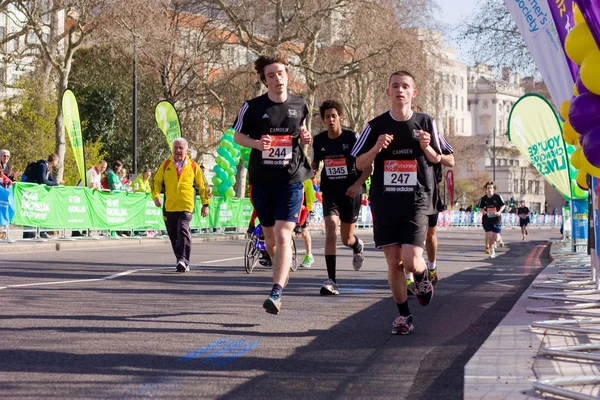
(59, 128)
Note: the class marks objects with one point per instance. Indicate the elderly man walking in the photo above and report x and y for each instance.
(177, 177)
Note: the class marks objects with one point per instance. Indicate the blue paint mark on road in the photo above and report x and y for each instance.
(237, 354)
(353, 290)
(202, 350)
(224, 350)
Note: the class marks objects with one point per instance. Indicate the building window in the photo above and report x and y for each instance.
(516, 163)
(516, 185)
(456, 101)
(485, 104)
(462, 82)
(536, 189)
(522, 186)
(462, 125)
(529, 187)
(462, 103)
(449, 101)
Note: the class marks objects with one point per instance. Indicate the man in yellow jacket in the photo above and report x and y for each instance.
(178, 176)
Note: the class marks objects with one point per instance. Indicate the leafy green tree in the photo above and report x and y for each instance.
(101, 80)
(27, 130)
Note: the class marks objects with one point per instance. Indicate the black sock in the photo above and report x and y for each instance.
(356, 247)
(403, 309)
(330, 262)
(277, 289)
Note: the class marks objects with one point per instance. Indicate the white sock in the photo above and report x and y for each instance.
(409, 275)
(431, 265)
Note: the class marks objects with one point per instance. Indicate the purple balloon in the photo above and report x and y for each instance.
(584, 112)
(581, 89)
(591, 146)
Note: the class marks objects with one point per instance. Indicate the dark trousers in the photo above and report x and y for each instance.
(178, 228)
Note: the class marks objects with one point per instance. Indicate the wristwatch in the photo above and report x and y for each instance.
(205, 205)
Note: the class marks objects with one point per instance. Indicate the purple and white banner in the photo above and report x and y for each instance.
(535, 20)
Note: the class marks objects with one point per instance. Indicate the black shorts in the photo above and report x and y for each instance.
(341, 205)
(279, 203)
(433, 220)
(523, 221)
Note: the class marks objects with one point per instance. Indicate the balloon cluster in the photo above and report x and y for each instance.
(582, 112)
(225, 169)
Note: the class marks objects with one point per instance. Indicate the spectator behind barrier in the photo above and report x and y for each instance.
(6, 167)
(40, 172)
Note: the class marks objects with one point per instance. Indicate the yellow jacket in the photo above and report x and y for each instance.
(179, 192)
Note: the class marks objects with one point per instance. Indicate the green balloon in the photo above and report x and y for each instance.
(246, 164)
(227, 145)
(229, 131)
(222, 162)
(232, 179)
(216, 181)
(236, 153)
(222, 188)
(230, 172)
(230, 193)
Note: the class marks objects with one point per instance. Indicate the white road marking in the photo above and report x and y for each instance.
(221, 260)
(486, 305)
(122, 274)
(499, 282)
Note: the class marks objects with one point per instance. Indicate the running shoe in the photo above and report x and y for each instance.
(487, 250)
(493, 253)
(329, 288)
(359, 258)
(272, 304)
(402, 325)
(500, 243)
(411, 289)
(433, 277)
(424, 290)
(265, 259)
(308, 261)
(182, 267)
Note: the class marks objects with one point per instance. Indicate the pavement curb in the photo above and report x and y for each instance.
(503, 367)
(43, 245)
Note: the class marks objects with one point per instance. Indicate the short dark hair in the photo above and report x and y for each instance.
(116, 164)
(402, 73)
(488, 183)
(327, 104)
(52, 157)
(264, 60)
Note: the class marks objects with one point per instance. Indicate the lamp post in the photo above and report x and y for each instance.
(494, 156)
(134, 106)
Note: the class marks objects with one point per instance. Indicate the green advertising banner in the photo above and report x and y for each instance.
(535, 129)
(168, 121)
(70, 113)
(69, 207)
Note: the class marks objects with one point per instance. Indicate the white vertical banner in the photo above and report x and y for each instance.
(535, 22)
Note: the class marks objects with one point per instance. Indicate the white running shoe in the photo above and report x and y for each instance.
(329, 288)
(493, 253)
(359, 258)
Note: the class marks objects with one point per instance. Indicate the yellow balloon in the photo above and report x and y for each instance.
(571, 137)
(575, 91)
(578, 16)
(581, 179)
(589, 168)
(576, 158)
(579, 43)
(564, 109)
(590, 72)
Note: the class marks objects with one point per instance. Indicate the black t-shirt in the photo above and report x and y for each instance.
(491, 205)
(339, 169)
(285, 162)
(402, 175)
(523, 212)
(446, 150)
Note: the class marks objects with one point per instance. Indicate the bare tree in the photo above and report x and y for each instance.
(495, 38)
(52, 31)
